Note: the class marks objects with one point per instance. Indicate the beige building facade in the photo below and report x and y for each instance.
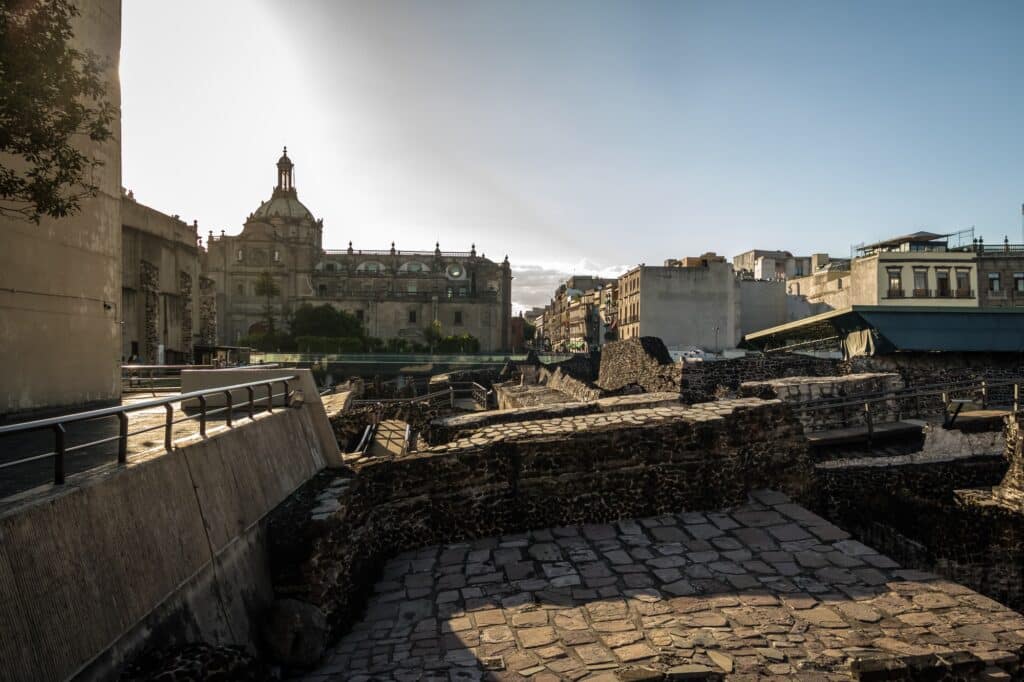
(60, 283)
(160, 286)
(918, 269)
(394, 292)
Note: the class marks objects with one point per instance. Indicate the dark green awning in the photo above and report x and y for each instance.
(870, 330)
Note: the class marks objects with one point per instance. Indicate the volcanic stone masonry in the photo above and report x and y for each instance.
(763, 590)
(207, 311)
(185, 290)
(149, 282)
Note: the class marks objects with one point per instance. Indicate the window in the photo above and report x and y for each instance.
(330, 267)
(920, 282)
(458, 317)
(1018, 282)
(942, 282)
(411, 287)
(895, 282)
(240, 289)
(994, 282)
(359, 315)
(963, 283)
(238, 256)
(412, 317)
(277, 256)
(322, 290)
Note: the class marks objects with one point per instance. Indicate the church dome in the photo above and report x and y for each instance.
(284, 207)
(284, 202)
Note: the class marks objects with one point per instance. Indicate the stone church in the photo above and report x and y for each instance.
(395, 293)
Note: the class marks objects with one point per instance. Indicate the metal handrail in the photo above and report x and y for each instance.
(914, 392)
(392, 401)
(58, 424)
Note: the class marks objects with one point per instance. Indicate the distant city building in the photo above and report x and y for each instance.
(572, 320)
(918, 269)
(395, 293)
(762, 264)
(696, 302)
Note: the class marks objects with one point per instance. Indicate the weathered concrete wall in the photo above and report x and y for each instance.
(762, 304)
(60, 282)
(198, 379)
(169, 547)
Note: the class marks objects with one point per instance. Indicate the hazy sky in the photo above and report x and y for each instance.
(582, 136)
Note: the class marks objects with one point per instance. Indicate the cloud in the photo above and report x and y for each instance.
(535, 284)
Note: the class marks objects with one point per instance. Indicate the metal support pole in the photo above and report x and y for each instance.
(1016, 398)
(122, 440)
(227, 398)
(287, 402)
(202, 415)
(252, 402)
(870, 423)
(168, 426)
(58, 459)
(270, 396)
(451, 395)
(984, 394)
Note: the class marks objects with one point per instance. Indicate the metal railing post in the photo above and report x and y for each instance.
(122, 439)
(270, 396)
(168, 426)
(1016, 397)
(252, 402)
(984, 394)
(287, 402)
(451, 395)
(58, 459)
(230, 406)
(202, 415)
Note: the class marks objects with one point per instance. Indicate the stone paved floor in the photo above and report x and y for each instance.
(768, 589)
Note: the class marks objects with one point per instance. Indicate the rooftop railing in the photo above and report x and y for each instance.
(59, 424)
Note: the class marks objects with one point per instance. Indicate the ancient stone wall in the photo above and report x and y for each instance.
(575, 389)
(508, 478)
(707, 380)
(643, 362)
(149, 282)
(185, 291)
(207, 311)
(924, 369)
(841, 390)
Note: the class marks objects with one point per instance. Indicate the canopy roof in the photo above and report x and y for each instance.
(878, 330)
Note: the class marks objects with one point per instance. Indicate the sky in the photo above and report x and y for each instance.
(582, 136)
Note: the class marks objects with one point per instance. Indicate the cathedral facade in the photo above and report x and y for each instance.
(395, 293)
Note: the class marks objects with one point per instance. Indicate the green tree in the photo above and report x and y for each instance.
(432, 334)
(50, 95)
(529, 331)
(325, 320)
(267, 287)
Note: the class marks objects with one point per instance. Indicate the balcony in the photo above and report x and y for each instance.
(922, 293)
(964, 293)
(895, 293)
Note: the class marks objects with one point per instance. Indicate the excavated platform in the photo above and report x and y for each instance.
(767, 590)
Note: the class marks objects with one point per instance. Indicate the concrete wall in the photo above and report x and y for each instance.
(684, 306)
(304, 386)
(60, 287)
(762, 305)
(169, 547)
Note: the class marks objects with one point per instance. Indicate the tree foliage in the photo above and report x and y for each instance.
(268, 288)
(51, 96)
(325, 320)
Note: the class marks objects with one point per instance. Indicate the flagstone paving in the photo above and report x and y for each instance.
(765, 590)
